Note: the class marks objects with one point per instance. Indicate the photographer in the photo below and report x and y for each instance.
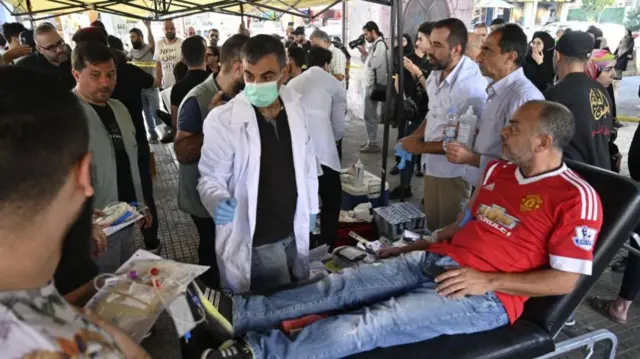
(375, 65)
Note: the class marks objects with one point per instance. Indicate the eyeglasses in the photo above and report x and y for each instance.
(58, 45)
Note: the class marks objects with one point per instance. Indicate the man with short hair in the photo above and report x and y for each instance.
(167, 55)
(52, 57)
(496, 23)
(259, 176)
(115, 173)
(501, 60)
(326, 102)
(46, 191)
(190, 32)
(300, 39)
(375, 65)
(455, 84)
(481, 30)
(191, 115)
(11, 32)
(587, 99)
(474, 46)
(295, 61)
(338, 64)
(532, 228)
(214, 37)
(212, 58)
(193, 55)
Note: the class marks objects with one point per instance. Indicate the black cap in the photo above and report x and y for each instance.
(299, 30)
(576, 44)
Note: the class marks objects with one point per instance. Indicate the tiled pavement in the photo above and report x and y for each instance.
(180, 243)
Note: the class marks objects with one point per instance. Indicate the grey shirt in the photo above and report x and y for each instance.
(143, 58)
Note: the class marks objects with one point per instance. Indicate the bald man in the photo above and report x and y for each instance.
(167, 55)
(474, 46)
(191, 31)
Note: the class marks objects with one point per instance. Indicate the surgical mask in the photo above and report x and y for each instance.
(262, 94)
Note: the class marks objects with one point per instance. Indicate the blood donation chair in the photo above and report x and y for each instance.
(532, 335)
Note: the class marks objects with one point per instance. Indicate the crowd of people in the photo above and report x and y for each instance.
(256, 125)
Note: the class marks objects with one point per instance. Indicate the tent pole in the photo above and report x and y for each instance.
(401, 80)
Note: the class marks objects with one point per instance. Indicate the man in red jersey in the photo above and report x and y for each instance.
(529, 230)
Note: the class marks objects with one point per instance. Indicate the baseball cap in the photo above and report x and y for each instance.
(299, 30)
(576, 44)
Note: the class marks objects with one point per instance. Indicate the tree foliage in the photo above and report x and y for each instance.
(633, 19)
(594, 8)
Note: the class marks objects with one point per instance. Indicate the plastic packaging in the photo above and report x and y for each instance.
(359, 167)
(467, 128)
(451, 127)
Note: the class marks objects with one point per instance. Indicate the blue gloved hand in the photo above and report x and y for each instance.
(467, 217)
(312, 222)
(225, 211)
(403, 154)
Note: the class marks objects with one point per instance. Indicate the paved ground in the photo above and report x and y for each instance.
(180, 237)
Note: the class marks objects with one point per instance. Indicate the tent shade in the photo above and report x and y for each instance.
(495, 4)
(164, 9)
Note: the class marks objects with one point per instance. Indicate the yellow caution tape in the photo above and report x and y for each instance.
(144, 63)
(628, 118)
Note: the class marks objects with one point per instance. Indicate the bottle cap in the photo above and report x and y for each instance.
(452, 110)
(154, 271)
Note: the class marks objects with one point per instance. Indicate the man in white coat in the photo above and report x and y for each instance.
(259, 177)
(326, 102)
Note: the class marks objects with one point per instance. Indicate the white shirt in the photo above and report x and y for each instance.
(463, 87)
(504, 98)
(325, 102)
(168, 55)
(338, 63)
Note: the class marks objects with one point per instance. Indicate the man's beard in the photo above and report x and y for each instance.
(439, 64)
(238, 87)
(170, 35)
(136, 44)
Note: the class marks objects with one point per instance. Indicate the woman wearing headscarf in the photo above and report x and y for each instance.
(538, 64)
(407, 51)
(624, 53)
(601, 67)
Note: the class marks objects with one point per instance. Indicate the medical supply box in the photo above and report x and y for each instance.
(393, 220)
(353, 195)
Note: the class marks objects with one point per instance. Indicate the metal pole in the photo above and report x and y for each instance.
(389, 110)
(399, 110)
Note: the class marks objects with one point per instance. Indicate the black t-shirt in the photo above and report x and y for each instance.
(76, 267)
(131, 81)
(591, 106)
(126, 190)
(277, 191)
(37, 62)
(182, 87)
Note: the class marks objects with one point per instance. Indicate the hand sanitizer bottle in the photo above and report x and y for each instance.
(450, 128)
(467, 128)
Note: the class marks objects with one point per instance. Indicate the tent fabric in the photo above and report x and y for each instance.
(164, 9)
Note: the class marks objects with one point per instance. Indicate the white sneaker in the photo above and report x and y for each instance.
(370, 148)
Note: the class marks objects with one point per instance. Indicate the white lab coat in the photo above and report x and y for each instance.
(230, 168)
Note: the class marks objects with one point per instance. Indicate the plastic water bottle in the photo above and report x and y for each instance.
(467, 128)
(451, 127)
(359, 167)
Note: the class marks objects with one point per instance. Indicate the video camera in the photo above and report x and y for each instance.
(357, 42)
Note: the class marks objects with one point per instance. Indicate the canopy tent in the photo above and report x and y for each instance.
(167, 9)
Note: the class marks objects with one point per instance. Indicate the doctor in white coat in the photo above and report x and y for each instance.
(259, 177)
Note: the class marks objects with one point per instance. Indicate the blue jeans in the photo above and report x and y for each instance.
(150, 104)
(271, 264)
(402, 307)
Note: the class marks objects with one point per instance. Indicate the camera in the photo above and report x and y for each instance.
(357, 42)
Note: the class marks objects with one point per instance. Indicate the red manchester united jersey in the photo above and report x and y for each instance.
(523, 224)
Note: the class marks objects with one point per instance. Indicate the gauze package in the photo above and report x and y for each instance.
(140, 290)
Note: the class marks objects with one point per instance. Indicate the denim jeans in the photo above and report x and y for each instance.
(271, 264)
(401, 306)
(150, 104)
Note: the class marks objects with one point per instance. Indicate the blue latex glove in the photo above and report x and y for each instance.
(312, 222)
(403, 154)
(225, 211)
(467, 217)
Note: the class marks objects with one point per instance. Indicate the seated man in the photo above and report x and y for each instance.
(532, 233)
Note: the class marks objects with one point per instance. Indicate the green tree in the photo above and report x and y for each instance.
(594, 8)
(633, 19)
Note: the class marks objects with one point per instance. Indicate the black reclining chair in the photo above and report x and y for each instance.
(532, 336)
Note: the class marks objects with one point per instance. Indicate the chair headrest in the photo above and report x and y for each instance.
(620, 197)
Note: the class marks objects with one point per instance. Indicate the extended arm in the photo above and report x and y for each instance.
(188, 146)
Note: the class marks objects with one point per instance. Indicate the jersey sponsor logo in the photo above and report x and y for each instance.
(585, 237)
(599, 105)
(530, 202)
(489, 187)
(497, 217)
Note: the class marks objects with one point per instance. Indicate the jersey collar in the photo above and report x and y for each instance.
(522, 180)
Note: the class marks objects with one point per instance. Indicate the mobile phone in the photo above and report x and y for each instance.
(351, 254)
(434, 271)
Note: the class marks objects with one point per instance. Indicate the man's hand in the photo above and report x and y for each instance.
(216, 101)
(460, 282)
(411, 67)
(363, 51)
(412, 145)
(459, 154)
(15, 53)
(129, 348)
(147, 23)
(146, 221)
(389, 252)
(100, 237)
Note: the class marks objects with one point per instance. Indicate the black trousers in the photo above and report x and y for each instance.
(207, 250)
(631, 279)
(150, 235)
(330, 190)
